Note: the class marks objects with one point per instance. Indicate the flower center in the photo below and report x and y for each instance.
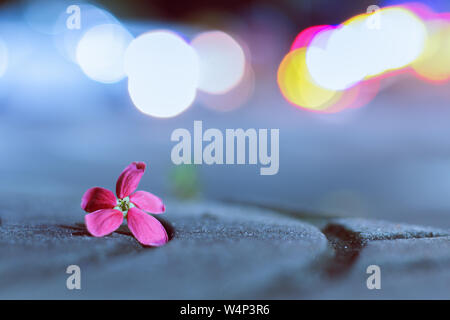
(124, 205)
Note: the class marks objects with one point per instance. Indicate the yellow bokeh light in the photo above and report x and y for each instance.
(297, 86)
(434, 63)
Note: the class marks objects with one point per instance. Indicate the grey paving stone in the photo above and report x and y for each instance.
(410, 269)
(217, 251)
(39, 251)
(369, 230)
(349, 236)
(426, 253)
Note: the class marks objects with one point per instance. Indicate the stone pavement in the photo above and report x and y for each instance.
(217, 250)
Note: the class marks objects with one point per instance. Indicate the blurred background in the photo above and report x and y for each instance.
(81, 99)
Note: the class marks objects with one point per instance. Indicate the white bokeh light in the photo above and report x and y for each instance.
(163, 72)
(405, 35)
(66, 40)
(222, 61)
(235, 98)
(101, 50)
(338, 66)
(353, 51)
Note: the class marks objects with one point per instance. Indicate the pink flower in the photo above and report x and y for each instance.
(107, 212)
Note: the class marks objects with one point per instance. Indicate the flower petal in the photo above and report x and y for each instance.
(98, 198)
(129, 179)
(103, 222)
(147, 229)
(147, 201)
